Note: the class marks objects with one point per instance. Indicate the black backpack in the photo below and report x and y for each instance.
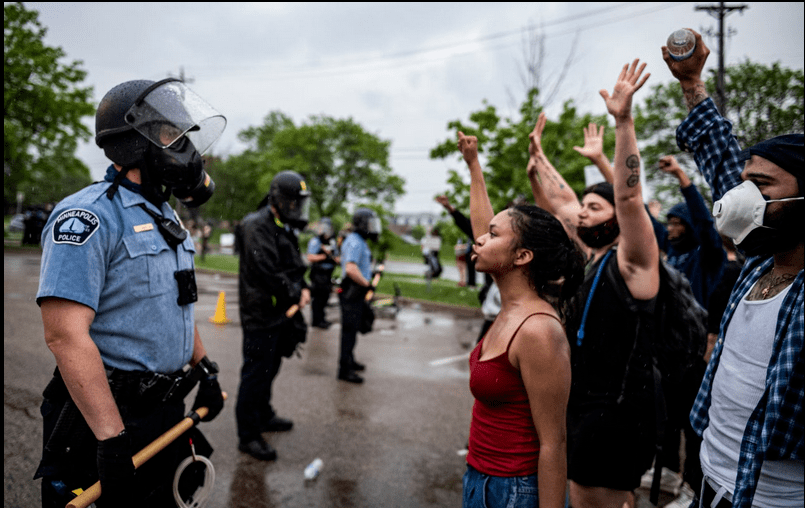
(676, 340)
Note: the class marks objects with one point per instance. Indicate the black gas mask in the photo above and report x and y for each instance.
(178, 168)
(180, 126)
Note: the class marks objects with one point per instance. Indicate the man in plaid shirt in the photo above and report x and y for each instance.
(749, 410)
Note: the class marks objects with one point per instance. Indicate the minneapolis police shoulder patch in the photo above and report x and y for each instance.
(75, 226)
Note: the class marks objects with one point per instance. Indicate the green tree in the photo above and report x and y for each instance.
(43, 105)
(341, 162)
(762, 102)
(503, 142)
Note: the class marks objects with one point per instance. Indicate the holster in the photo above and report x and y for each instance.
(352, 291)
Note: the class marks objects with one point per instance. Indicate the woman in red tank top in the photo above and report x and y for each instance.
(520, 370)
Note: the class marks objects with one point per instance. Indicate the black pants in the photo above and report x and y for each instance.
(319, 297)
(69, 455)
(679, 421)
(351, 315)
(261, 364)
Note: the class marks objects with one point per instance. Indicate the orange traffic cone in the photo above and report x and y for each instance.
(220, 311)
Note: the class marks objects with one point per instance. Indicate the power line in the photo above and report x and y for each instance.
(391, 61)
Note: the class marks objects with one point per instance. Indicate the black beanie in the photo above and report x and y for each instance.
(785, 151)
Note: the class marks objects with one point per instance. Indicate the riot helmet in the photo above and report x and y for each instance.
(367, 223)
(325, 228)
(290, 198)
(161, 128)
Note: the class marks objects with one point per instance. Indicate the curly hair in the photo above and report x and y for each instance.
(557, 269)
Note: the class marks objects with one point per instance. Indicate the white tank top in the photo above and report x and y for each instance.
(738, 385)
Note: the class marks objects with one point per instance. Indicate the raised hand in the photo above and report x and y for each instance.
(689, 69)
(535, 138)
(593, 142)
(468, 146)
(668, 164)
(619, 104)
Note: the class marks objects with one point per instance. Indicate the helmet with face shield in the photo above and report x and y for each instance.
(161, 128)
(290, 197)
(367, 223)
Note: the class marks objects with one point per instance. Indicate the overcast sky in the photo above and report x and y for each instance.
(402, 71)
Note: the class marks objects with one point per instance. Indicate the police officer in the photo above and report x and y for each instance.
(272, 288)
(116, 293)
(322, 256)
(356, 266)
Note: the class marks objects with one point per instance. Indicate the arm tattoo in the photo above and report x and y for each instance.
(633, 163)
(694, 95)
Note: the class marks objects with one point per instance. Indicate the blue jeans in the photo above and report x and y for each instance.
(485, 491)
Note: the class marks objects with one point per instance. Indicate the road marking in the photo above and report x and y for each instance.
(449, 359)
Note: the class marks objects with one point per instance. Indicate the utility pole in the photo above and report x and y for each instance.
(719, 12)
(181, 76)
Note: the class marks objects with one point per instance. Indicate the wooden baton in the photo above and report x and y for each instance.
(375, 282)
(91, 495)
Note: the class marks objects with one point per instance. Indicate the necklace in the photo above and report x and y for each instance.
(772, 282)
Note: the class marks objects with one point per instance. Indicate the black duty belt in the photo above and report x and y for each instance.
(152, 387)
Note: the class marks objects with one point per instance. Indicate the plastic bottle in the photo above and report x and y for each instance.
(681, 44)
(313, 469)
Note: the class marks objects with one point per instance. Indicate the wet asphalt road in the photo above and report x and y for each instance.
(391, 442)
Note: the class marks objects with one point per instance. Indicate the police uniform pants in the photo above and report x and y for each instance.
(70, 461)
(261, 363)
(319, 297)
(351, 315)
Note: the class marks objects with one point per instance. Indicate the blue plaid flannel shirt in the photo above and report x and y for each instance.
(775, 428)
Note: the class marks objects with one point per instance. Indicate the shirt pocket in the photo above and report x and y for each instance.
(152, 265)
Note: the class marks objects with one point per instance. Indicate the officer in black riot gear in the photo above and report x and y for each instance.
(272, 290)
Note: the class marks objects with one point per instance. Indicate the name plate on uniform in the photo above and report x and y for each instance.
(143, 227)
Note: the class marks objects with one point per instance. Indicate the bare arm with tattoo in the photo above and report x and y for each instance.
(689, 72)
(638, 253)
(547, 184)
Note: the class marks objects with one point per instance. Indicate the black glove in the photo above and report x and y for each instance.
(209, 395)
(116, 471)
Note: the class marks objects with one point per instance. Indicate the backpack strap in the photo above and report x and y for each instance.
(580, 333)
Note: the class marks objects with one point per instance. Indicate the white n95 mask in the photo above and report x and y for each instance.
(741, 210)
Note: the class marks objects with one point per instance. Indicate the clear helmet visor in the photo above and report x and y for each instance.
(296, 209)
(375, 226)
(169, 111)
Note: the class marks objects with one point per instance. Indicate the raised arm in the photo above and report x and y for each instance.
(593, 149)
(481, 212)
(638, 254)
(705, 133)
(550, 190)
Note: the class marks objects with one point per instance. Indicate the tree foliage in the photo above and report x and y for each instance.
(43, 104)
(503, 143)
(762, 102)
(341, 162)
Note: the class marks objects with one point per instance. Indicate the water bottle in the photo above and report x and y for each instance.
(313, 469)
(681, 44)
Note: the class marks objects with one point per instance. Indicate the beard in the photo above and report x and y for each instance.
(599, 235)
(782, 233)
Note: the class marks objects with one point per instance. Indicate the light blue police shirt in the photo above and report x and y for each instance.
(314, 247)
(110, 256)
(355, 250)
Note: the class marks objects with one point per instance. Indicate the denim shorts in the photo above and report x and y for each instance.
(485, 491)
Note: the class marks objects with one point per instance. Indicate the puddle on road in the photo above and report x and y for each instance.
(409, 318)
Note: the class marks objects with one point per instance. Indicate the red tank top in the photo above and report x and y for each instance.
(503, 440)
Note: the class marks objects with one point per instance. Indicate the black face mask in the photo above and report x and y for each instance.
(600, 235)
(783, 233)
(180, 170)
(683, 243)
